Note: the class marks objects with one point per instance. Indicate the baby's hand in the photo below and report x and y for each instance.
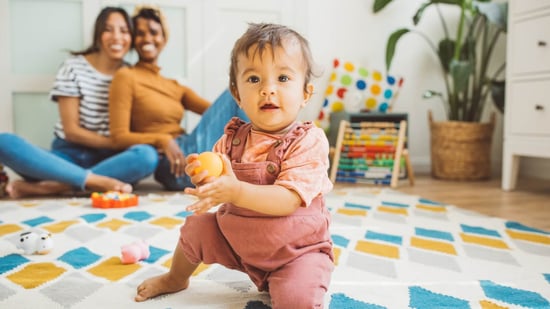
(192, 164)
(213, 191)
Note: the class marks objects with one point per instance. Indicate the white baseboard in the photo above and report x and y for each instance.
(529, 167)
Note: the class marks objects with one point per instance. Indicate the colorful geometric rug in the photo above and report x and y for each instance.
(393, 251)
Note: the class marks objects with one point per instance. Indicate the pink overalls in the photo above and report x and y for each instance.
(290, 256)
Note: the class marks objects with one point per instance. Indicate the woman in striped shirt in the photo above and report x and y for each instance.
(82, 154)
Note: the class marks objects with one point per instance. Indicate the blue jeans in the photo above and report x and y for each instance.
(71, 163)
(207, 132)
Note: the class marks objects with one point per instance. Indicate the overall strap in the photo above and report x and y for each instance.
(237, 132)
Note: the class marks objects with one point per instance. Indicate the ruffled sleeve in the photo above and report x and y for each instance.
(65, 84)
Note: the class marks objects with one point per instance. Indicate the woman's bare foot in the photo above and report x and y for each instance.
(22, 188)
(159, 285)
(104, 183)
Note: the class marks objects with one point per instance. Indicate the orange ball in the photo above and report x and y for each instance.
(210, 162)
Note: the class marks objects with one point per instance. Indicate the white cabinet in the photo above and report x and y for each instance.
(527, 109)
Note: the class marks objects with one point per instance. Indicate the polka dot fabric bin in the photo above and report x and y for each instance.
(354, 89)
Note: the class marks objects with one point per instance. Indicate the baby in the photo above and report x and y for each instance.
(272, 224)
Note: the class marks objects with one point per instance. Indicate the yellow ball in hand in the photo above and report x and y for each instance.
(210, 162)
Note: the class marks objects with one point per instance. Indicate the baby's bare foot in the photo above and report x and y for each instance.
(159, 285)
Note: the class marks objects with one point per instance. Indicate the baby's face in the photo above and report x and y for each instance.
(270, 86)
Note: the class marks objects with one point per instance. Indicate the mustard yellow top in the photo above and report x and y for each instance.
(147, 108)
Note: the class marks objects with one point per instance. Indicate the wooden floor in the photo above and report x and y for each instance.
(529, 203)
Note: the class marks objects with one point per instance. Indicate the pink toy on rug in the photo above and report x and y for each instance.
(134, 252)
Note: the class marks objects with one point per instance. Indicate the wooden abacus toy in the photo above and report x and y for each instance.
(371, 152)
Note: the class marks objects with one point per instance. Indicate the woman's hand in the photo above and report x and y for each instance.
(211, 191)
(74, 132)
(177, 160)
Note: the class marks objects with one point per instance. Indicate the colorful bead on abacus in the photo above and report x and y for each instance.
(113, 199)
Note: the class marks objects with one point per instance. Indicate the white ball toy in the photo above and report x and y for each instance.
(35, 243)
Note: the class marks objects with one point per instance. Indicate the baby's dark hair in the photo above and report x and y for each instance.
(267, 35)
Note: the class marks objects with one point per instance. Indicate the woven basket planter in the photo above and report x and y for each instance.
(461, 150)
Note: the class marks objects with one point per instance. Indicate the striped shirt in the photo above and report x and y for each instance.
(78, 78)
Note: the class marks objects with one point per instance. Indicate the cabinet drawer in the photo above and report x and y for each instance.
(526, 6)
(530, 52)
(529, 107)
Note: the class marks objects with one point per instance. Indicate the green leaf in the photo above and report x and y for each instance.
(445, 51)
(378, 5)
(468, 50)
(420, 11)
(418, 15)
(454, 2)
(498, 93)
(460, 72)
(392, 43)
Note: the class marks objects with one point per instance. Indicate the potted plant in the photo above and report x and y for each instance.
(461, 146)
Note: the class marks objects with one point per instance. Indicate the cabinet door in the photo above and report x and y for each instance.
(531, 48)
(530, 108)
